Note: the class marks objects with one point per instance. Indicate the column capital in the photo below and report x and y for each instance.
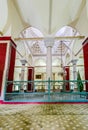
(23, 61)
(74, 61)
(49, 41)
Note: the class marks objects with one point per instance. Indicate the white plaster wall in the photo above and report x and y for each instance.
(82, 24)
(3, 14)
(13, 20)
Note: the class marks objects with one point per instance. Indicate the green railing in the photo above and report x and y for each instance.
(45, 91)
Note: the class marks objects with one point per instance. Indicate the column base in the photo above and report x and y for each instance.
(75, 89)
(22, 90)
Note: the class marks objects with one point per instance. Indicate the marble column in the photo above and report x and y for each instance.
(49, 42)
(66, 75)
(74, 63)
(23, 62)
(7, 62)
(85, 57)
(30, 86)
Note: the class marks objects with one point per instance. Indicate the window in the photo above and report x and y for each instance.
(38, 76)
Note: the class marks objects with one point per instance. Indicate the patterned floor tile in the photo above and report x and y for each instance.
(44, 117)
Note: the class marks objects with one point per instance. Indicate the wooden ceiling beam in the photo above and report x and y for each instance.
(56, 38)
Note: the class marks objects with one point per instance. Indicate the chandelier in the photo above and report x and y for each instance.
(62, 72)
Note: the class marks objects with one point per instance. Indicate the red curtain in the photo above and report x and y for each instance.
(30, 78)
(3, 48)
(85, 53)
(67, 85)
(11, 67)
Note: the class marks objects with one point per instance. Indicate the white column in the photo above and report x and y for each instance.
(42, 75)
(53, 76)
(49, 43)
(22, 73)
(74, 63)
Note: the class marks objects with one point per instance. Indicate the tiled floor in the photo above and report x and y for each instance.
(44, 117)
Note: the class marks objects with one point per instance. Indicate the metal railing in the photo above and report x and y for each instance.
(45, 91)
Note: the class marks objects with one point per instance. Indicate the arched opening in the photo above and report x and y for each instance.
(34, 51)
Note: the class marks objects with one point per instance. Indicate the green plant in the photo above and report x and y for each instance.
(79, 82)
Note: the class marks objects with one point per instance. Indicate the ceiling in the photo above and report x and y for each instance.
(45, 18)
(37, 47)
(49, 15)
